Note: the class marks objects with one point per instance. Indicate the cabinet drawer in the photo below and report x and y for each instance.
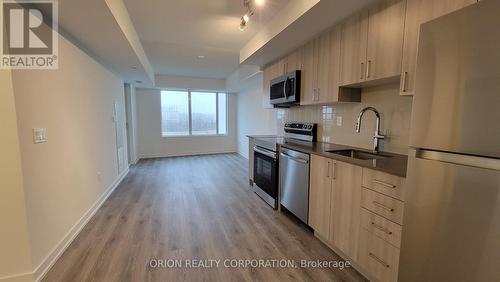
(382, 205)
(379, 258)
(384, 183)
(381, 227)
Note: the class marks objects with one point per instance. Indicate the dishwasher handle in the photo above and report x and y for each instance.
(293, 158)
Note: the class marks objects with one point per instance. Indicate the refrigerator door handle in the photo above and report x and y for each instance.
(459, 159)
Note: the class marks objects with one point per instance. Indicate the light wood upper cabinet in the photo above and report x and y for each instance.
(418, 12)
(307, 76)
(321, 70)
(320, 195)
(353, 48)
(293, 61)
(372, 43)
(345, 209)
(322, 55)
(316, 71)
(385, 39)
(334, 63)
(271, 72)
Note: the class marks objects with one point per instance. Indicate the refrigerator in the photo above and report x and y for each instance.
(451, 227)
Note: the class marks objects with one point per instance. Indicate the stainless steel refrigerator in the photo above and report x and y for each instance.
(451, 228)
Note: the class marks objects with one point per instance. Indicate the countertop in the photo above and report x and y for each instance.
(395, 165)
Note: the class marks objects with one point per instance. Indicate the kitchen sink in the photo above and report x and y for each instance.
(360, 155)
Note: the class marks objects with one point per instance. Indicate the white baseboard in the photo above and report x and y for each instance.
(152, 156)
(50, 260)
(23, 277)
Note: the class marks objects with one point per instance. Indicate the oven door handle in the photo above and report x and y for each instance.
(269, 154)
(293, 158)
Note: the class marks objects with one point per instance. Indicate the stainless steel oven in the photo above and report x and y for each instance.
(285, 90)
(266, 175)
(266, 164)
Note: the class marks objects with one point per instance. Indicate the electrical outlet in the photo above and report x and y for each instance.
(39, 135)
(339, 120)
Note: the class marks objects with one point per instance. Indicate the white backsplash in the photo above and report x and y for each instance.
(395, 111)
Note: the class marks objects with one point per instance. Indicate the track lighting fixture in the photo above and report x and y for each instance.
(249, 12)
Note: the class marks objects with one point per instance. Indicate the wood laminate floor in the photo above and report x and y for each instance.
(191, 208)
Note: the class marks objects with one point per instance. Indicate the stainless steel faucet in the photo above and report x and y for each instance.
(377, 135)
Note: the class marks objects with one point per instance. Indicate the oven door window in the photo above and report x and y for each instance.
(265, 174)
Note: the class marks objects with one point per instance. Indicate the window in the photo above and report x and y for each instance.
(175, 113)
(186, 113)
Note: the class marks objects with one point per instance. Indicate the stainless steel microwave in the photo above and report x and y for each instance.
(285, 90)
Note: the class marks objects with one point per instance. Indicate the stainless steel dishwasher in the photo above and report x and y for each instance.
(294, 182)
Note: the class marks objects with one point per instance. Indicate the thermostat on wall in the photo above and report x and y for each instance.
(39, 135)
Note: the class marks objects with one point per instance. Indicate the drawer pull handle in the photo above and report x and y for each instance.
(384, 184)
(383, 206)
(377, 259)
(381, 228)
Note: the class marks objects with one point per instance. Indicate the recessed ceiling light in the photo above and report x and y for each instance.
(260, 2)
(201, 57)
(138, 81)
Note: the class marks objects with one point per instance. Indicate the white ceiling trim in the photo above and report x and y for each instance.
(194, 83)
(120, 13)
(282, 20)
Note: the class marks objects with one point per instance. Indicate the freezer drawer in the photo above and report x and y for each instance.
(451, 226)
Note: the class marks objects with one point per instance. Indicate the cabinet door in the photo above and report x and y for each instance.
(418, 12)
(293, 61)
(266, 84)
(334, 63)
(345, 211)
(385, 39)
(320, 195)
(353, 49)
(308, 83)
(322, 62)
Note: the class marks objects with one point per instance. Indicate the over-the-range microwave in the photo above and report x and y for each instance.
(285, 90)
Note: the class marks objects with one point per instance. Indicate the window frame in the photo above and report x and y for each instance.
(190, 116)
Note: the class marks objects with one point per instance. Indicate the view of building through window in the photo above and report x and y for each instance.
(187, 113)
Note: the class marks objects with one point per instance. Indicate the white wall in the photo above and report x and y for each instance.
(152, 144)
(67, 176)
(253, 118)
(131, 105)
(15, 258)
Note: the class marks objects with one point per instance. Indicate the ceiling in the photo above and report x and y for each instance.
(174, 33)
(103, 37)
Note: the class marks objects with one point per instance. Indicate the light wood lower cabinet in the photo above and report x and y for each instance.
(382, 205)
(320, 195)
(381, 227)
(379, 258)
(345, 209)
(384, 183)
(334, 203)
(363, 224)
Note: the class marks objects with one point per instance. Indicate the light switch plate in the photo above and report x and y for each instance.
(39, 135)
(339, 120)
